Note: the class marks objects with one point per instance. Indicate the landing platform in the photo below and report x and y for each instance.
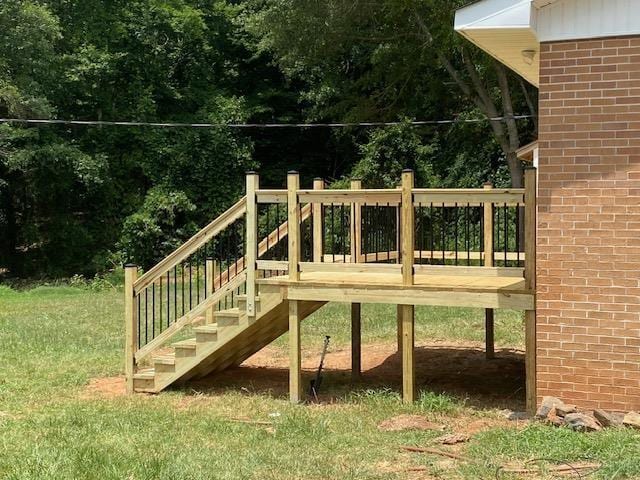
(469, 290)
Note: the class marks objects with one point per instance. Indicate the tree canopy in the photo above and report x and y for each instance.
(82, 199)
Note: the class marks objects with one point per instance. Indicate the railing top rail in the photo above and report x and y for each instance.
(468, 195)
(365, 196)
(193, 244)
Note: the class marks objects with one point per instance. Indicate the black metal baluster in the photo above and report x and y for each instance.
(161, 298)
(182, 287)
(168, 299)
(506, 234)
(175, 292)
(432, 232)
(333, 234)
(518, 239)
(146, 315)
(444, 232)
(468, 235)
(455, 209)
(139, 319)
(153, 306)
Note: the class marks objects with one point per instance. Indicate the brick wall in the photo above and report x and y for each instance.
(588, 304)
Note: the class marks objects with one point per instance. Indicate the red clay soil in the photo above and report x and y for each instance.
(459, 370)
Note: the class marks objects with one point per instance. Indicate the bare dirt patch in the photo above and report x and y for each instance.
(105, 387)
(460, 370)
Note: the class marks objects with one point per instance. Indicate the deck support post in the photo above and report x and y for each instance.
(131, 324)
(318, 221)
(356, 340)
(399, 322)
(407, 313)
(356, 308)
(489, 314)
(530, 231)
(295, 353)
(407, 236)
(293, 225)
(253, 184)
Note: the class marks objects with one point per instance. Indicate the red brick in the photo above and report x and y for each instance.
(588, 291)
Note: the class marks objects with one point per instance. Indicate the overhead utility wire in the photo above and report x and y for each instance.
(99, 123)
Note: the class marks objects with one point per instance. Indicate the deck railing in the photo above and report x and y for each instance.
(406, 230)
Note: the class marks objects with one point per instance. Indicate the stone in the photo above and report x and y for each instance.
(607, 419)
(632, 419)
(547, 405)
(581, 422)
(564, 410)
(554, 419)
(518, 416)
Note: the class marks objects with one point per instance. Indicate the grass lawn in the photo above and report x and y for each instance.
(54, 340)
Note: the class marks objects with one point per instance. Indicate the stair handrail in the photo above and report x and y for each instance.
(192, 245)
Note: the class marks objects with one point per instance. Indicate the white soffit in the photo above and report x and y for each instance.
(507, 28)
(504, 29)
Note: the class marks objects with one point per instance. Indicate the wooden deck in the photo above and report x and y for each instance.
(479, 290)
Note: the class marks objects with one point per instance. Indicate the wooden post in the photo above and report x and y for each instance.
(489, 315)
(293, 225)
(407, 227)
(211, 278)
(253, 184)
(356, 340)
(399, 322)
(356, 225)
(356, 308)
(295, 353)
(318, 230)
(407, 313)
(407, 236)
(530, 230)
(131, 324)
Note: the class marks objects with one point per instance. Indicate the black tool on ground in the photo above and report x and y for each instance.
(314, 387)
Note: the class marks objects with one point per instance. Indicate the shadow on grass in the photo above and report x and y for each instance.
(460, 372)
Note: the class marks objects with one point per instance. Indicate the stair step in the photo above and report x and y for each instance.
(145, 374)
(185, 348)
(144, 381)
(227, 318)
(243, 298)
(167, 359)
(196, 322)
(206, 333)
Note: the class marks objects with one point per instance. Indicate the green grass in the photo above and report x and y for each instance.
(53, 340)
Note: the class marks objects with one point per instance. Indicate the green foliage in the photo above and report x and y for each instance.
(159, 227)
(391, 150)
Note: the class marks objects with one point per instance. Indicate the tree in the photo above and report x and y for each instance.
(376, 60)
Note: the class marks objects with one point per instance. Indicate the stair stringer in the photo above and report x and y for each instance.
(265, 332)
(236, 343)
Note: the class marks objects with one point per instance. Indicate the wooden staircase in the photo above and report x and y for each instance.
(233, 338)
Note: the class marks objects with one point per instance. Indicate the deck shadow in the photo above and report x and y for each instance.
(459, 371)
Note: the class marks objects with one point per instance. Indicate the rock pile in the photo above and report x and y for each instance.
(555, 411)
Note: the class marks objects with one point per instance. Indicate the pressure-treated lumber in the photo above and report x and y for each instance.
(407, 227)
(356, 225)
(318, 220)
(253, 184)
(295, 354)
(293, 215)
(489, 323)
(408, 351)
(131, 327)
(530, 227)
(356, 340)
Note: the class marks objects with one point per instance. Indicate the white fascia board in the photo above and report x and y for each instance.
(494, 14)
